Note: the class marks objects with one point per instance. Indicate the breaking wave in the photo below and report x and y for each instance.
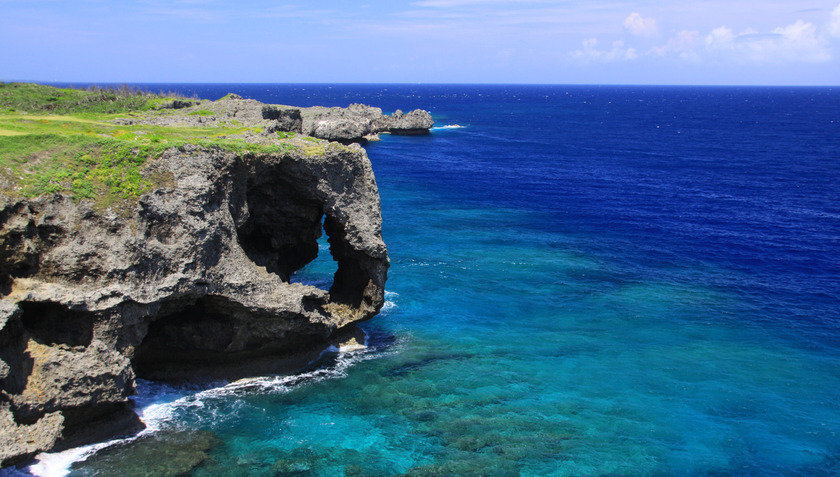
(162, 406)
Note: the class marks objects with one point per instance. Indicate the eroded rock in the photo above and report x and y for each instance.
(413, 123)
(359, 122)
(21, 441)
(195, 278)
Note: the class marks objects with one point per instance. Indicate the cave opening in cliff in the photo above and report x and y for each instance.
(351, 278)
(288, 231)
(55, 324)
(197, 331)
(282, 229)
(212, 337)
(336, 268)
(320, 272)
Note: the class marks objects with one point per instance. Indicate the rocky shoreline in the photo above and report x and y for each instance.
(194, 279)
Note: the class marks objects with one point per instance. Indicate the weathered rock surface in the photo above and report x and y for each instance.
(415, 122)
(194, 279)
(356, 123)
(230, 110)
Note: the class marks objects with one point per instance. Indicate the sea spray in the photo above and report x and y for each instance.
(162, 406)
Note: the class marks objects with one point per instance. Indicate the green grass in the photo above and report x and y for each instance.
(36, 98)
(105, 169)
(108, 170)
(60, 141)
(202, 112)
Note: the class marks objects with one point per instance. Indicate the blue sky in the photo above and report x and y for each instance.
(793, 42)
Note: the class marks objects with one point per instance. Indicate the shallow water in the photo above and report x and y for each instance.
(584, 281)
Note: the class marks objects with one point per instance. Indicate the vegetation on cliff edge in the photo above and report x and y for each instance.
(36, 98)
(57, 140)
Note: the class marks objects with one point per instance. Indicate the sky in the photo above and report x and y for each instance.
(692, 42)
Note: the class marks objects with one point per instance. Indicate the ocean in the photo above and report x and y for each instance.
(585, 281)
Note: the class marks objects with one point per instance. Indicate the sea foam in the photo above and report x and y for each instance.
(390, 302)
(159, 405)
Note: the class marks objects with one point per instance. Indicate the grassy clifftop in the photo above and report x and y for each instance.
(56, 140)
(46, 99)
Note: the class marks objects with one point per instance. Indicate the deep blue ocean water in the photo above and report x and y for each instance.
(585, 281)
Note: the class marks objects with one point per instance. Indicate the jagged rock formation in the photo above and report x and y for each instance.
(195, 278)
(413, 123)
(356, 123)
(362, 122)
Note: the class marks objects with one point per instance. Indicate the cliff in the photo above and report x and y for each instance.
(190, 279)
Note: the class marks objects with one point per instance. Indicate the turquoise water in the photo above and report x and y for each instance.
(585, 281)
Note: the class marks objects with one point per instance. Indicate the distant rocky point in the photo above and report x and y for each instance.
(356, 123)
(360, 122)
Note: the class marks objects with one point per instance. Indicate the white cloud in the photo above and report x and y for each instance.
(721, 38)
(797, 42)
(683, 45)
(800, 41)
(834, 26)
(591, 52)
(639, 26)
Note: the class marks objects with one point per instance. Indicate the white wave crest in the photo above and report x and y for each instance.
(158, 405)
(390, 302)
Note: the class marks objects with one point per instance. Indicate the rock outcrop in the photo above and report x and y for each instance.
(416, 122)
(194, 280)
(356, 123)
(361, 122)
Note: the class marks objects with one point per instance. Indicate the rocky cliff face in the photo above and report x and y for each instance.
(194, 279)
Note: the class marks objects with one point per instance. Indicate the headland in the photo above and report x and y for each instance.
(150, 236)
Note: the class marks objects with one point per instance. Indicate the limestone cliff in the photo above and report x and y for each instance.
(193, 278)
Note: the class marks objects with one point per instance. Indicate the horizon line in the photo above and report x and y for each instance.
(353, 83)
